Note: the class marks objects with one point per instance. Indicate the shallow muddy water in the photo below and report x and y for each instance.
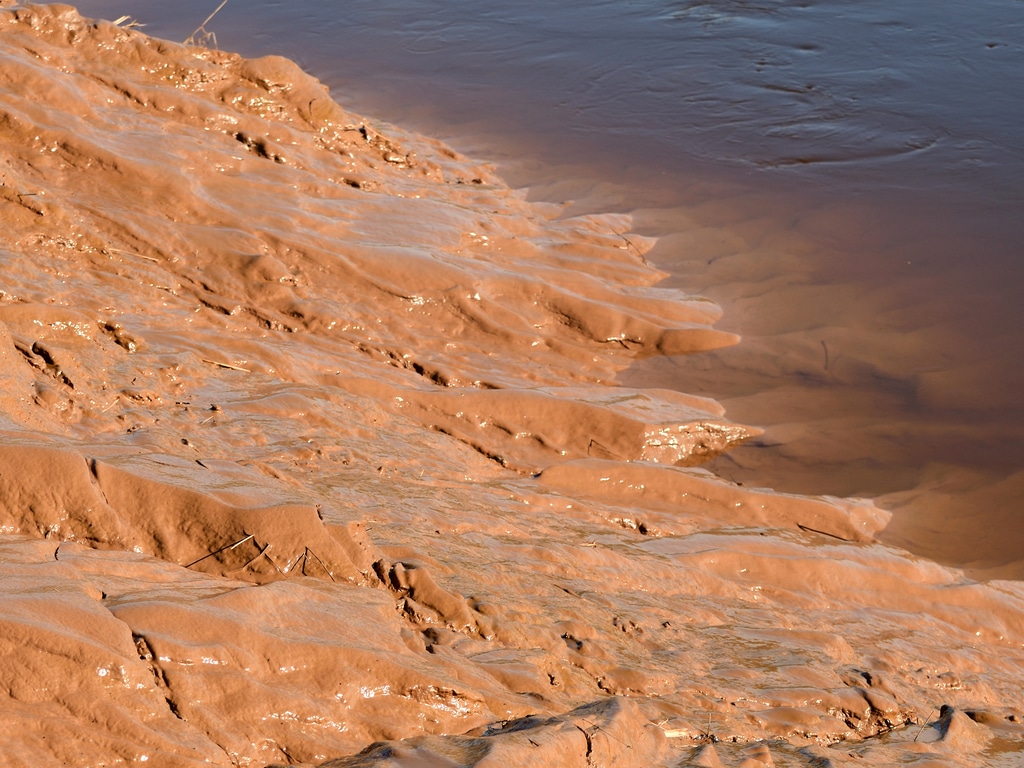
(844, 179)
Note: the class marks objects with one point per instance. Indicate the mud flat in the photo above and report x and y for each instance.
(313, 454)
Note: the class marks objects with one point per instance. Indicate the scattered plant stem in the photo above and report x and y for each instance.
(227, 365)
(126, 22)
(201, 29)
(322, 565)
(131, 253)
(256, 557)
(598, 728)
(924, 725)
(238, 543)
(291, 566)
(803, 527)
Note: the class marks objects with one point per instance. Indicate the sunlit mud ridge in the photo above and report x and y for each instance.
(313, 454)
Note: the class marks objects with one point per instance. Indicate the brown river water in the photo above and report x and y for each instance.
(326, 444)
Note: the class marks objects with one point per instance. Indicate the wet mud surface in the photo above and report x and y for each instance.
(313, 454)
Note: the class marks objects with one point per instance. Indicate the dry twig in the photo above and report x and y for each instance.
(227, 365)
(205, 37)
(256, 557)
(924, 725)
(322, 565)
(238, 543)
(126, 22)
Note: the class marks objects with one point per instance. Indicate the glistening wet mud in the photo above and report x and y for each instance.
(314, 453)
(843, 180)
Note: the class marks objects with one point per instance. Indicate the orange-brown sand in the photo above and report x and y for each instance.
(313, 453)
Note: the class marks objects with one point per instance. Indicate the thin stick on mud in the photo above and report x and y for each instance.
(271, 560)
(227, 365)
(707, 734)
(291, 566)
(206, 21)
(598, 729)
(132, 253)
(126, 22)
(254, 558)
(675, 733)
(322, 565)
(924, 725)
(238, 543)
(803, 527)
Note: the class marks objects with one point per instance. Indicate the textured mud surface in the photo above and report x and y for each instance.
(313, 454)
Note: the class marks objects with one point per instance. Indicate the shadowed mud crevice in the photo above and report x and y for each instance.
(258, 147)
(388, 151)
(25, 348)
(127, 341)
(24, 199)
(270, 323)
(53, 366)
(482, 450)
(406, 361)
(424, 603)
(47, 360)
(95, 477)
(435, 377)
(147, 655)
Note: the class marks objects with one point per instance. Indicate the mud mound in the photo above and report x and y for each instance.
(611, 732)
(65, 497)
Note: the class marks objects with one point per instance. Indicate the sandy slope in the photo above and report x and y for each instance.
(311, 441)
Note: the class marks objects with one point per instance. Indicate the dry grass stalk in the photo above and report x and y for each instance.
(227, 365)
(238, 543)
(126, 22)
(294, 563)
(322, 564)
(256, 557)
(132, 253)
(924, 725)
(808, 528)
(205, 37)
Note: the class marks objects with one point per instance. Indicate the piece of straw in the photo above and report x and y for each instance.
(322, 565)
(227, 365)
(238, 543)
(206, 21)
(254, 558)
